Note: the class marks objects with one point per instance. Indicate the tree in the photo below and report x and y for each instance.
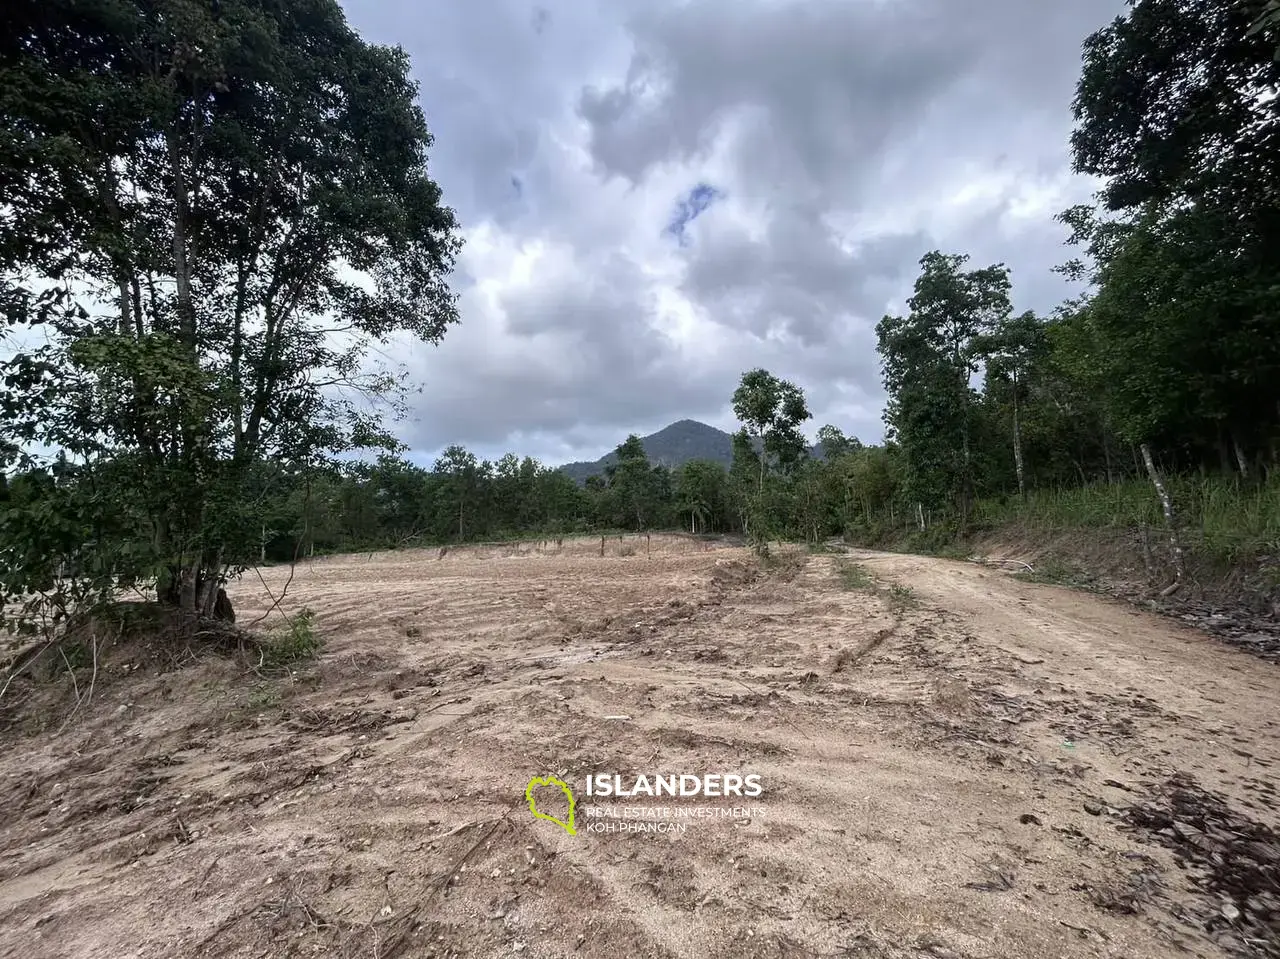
(1010, 350)
(634, 486)
(834, 443)
(1174, 102)
(929, 358)
(242, 190)
(701, 488)
(1176, 108)
(771, 410)
(461, 477)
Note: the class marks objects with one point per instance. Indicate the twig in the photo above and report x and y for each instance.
(397, 936)
(1016, 562)
(447, 702)
(93, 640)
(74, 685)
(94, 677)
(293, 565)
(1084, 931)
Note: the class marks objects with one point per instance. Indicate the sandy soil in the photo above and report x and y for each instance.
(964, 766)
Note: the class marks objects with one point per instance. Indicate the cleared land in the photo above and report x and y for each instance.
(964, 766)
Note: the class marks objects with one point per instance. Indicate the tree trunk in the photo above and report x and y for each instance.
(1017, 444)
(1240, 457)
(1146, 553)
(207, 585)
(187, 590)
(1170, 522)
(181, 248)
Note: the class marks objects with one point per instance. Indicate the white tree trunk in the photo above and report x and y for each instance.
(1017, 443)
(1171, 526)
(1240, 457)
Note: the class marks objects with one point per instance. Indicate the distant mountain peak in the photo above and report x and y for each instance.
(672, 446)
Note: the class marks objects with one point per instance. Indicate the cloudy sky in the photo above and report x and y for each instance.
(658, 195)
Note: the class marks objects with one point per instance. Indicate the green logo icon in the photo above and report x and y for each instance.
(537, 781)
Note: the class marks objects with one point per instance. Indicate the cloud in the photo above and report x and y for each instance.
(658, 196)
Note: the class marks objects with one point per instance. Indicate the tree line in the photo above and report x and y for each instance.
(213, 214)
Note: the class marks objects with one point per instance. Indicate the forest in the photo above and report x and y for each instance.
(213, 214)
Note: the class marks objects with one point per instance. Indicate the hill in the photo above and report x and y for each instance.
(671, 446)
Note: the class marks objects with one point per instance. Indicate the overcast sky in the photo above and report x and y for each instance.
(658, 196)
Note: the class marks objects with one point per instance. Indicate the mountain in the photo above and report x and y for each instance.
(672, 446)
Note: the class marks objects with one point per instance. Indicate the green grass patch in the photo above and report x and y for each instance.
(854, 576)
(1221, 518)
(294, 643)
(902, 598)
(1052, 571)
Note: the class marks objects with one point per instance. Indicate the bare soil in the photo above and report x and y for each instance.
(966, 765)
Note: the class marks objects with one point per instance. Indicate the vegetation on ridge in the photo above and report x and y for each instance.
(217, 193)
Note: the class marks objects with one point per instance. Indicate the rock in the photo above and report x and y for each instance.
(1093, 808)
(1030, 819)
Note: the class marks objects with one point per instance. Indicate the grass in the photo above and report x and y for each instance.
(1221, 518)
(1055, 572)
(902, 598)
(293, 644)
(899, 598)
(854, 576)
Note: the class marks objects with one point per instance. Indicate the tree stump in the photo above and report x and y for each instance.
(222, 608)
(169, 593)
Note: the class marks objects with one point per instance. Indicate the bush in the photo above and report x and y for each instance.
(293, 644)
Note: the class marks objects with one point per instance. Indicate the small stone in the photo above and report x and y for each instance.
(1093, 808)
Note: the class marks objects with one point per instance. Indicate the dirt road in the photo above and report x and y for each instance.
(953, 763)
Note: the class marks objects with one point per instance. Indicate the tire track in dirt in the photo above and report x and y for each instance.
(921, 798)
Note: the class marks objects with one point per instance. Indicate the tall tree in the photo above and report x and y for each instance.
(459, 492)
(771, 410)
(633, 485)
(242, 190)
(701, 490)
(1176, 108)
(1010, 350)
(929, 358)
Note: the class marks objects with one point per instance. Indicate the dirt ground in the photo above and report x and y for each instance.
(954, 763)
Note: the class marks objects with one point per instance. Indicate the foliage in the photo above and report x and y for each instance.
(237, 194)
(215, 212)
(295, 643)
(930, 357)
(771, 410)
(854, 576)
